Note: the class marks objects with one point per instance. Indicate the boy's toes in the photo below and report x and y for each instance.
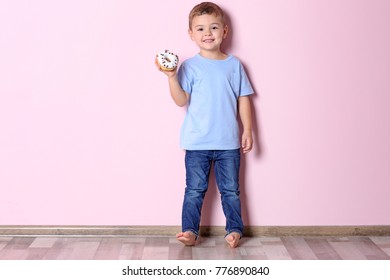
(232, 239)
(188, 238)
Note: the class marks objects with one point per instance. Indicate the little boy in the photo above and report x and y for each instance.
(216, 89)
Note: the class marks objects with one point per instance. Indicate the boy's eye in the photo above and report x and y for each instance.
(200, 29)
(215, 27)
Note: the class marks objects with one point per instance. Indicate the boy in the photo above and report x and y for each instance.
(216, 88)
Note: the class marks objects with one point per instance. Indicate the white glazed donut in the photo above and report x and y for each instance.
(167, 60)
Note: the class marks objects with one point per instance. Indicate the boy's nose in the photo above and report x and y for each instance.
(208, 32)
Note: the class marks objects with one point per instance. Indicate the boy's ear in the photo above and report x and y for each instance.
(190, 34)
(225, 31)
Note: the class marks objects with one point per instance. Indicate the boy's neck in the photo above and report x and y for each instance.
(216, 55)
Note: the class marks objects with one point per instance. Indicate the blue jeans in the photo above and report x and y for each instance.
(226, 169)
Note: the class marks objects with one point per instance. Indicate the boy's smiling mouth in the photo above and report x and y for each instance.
(208, 40)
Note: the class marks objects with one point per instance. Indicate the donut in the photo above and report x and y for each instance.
(167, 60)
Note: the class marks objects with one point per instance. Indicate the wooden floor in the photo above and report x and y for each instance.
(157, 248)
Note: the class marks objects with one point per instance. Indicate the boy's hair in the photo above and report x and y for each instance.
(206, 8)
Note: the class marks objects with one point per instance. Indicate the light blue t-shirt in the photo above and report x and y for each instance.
(214, 87)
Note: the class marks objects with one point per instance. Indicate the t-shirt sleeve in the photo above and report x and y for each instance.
(184, 78)
(245, 85)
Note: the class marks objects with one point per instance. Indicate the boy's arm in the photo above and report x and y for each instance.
(179, 96)
(244, 109)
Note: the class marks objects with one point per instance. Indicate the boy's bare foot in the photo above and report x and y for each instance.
(188, 238)
(232, 239)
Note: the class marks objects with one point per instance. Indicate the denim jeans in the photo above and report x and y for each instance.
(226, 169)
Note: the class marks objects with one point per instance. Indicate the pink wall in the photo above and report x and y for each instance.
(89, 134)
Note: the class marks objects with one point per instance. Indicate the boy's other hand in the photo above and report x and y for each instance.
(246, 142)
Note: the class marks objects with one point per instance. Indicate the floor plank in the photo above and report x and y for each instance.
(274, 249)
(156, 248)
(347, 250)
(322, 249)
(43, 242)
(298, 248)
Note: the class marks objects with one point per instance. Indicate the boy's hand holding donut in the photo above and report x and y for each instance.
(167, 62)
(168, 73)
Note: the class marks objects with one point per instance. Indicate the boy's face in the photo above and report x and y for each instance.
(208, 32)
